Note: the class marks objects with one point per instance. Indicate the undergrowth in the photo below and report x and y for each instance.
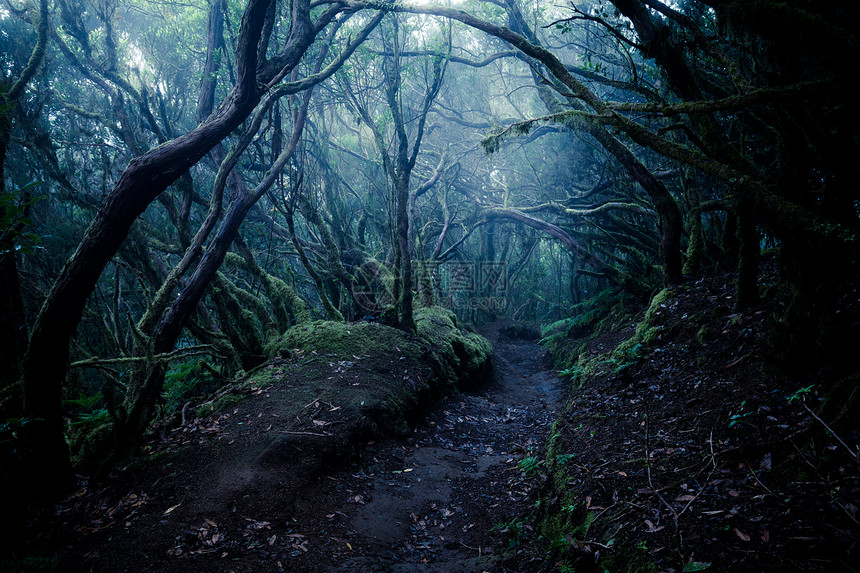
(564, 339)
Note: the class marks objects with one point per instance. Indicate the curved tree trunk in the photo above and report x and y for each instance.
(44, 367)
(168, 330)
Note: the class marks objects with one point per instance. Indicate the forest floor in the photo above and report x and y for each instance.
(684, 446)
(447, 497)
(688, 451)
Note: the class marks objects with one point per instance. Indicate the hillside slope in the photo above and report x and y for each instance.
(684, 447)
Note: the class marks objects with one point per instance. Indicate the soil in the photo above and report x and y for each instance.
(448, 496)
(692, 451)
(699, 452)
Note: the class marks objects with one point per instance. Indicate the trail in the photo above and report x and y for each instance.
(429, 504)
(434, 500)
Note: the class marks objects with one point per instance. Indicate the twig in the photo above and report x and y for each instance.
(302, 409)
(305, 433)
(176, 354)
(311, 403)
(851, 452)
(478, 549)
(843, 508)
(758, 480)
(224, 392)
(654, 489)
(707, 479)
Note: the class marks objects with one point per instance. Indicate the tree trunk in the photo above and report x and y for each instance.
(45, 365)
(407, 320)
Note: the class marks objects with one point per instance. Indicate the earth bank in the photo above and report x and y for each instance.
(255, 477)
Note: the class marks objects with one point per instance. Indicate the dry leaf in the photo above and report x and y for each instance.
(169, 509)
(741, 534)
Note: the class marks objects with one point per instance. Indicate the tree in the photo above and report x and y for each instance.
(12, 216)
(144, 180)
(399, 166)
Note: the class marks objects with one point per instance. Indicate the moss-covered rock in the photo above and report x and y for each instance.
(466, 353)
(381, 374)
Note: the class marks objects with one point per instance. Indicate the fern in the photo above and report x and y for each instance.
(563, 338)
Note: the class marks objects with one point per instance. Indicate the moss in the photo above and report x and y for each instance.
(388, 316)
(693, 264)
(286, 304)
(239, 324)
(703, 334)
(343, 339)
(647, 332)
(466, 352)
(626, 560)
(90, 444)
(464, 355)
(436, 360)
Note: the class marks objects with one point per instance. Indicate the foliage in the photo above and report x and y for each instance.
(10, 438)
(739, 414)
(563, 337)
(14, 206)
(529, 465)
(186, 380)
(513, 529)
(90, 410)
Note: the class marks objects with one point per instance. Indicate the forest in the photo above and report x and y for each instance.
(561, 230)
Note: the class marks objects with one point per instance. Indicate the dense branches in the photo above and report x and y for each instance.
(225, 178)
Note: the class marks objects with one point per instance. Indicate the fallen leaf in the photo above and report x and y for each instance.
(733, 493)
(272, 539)
(765, 535)
(742, 535)
(169, 509)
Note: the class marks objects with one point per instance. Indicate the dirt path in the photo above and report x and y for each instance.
(445, 498)
(431, 503)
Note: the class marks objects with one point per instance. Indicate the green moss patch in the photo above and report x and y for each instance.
(330, 385)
